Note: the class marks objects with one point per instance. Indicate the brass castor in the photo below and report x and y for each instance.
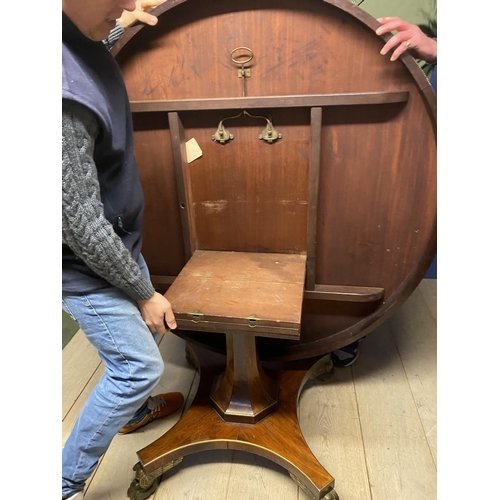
(331, 495)
(143, 486)
(135, 492)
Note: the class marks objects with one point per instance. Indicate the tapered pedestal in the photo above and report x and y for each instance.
(244, 393)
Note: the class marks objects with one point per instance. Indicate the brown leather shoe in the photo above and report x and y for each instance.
(159, 406)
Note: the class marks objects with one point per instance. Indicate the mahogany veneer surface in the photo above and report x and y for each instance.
(376, 207)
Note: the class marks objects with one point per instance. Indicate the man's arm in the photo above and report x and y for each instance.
(86, 230)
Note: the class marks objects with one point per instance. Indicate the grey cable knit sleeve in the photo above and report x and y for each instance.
(84, 227)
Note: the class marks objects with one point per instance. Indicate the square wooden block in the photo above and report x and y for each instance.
(231, 292)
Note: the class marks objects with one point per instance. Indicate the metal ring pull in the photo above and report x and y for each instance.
(241, 61)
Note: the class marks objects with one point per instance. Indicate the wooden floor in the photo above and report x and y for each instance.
(372, 425)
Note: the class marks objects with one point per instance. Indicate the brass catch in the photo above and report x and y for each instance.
(196, 315)
(252, 320)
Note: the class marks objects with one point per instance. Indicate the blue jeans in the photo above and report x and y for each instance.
(133, 364)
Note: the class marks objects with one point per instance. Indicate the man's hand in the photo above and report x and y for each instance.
(157, 313)
(409, 37)
(140, 14)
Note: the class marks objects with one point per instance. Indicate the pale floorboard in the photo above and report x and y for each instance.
(79, 363)
(372, 425)
(329, 420)
(399, 461)
(415, 333)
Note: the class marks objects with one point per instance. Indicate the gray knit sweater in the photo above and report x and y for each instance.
(84, 227)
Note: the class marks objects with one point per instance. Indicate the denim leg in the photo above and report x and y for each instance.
(113, 324)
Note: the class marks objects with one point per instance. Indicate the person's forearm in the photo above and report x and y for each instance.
(84, 227)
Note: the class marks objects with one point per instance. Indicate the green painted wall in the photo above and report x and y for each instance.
(69, 328)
